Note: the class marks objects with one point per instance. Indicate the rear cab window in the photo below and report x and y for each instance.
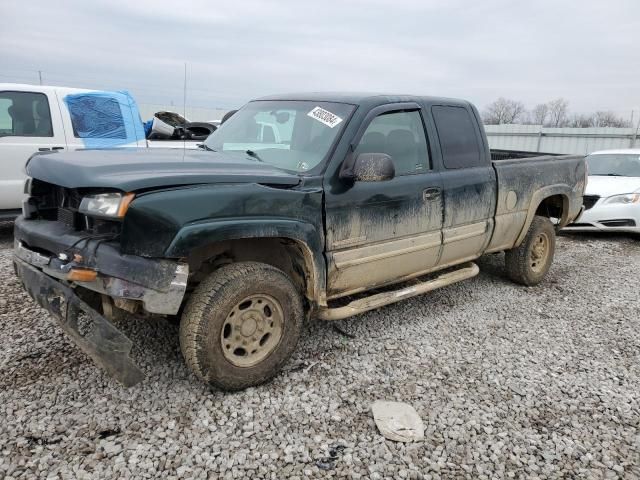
(96, 117)
(101, 119)
(25, 114)
(459, 141)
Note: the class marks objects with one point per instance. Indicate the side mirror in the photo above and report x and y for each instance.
(373, 167)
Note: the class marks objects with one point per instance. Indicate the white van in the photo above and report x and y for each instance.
(35, 118)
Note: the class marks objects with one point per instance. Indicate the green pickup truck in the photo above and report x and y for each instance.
(299, 206)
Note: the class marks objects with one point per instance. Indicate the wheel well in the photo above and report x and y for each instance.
(555, 206)
(290, 256)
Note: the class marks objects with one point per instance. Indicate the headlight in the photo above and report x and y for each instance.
(627, 198)
(109, 205)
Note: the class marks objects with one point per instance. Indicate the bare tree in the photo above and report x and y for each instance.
(558, 110)
(580, 121)
(539, 114)
(503, 111)
(554, 113)
(526, 118)
(609, 119)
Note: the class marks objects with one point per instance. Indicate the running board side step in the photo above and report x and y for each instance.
(362, 305)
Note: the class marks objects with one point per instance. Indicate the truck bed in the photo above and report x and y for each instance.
(497, 154)
(522, 183)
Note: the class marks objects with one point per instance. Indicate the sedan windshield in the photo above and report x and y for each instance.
(615, 165)
(292, 135)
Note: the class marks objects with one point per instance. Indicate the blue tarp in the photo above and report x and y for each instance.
(105, 119)
(148, 125)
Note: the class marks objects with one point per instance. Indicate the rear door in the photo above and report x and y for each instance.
(469, 184)
(380, 232)
(29, 122)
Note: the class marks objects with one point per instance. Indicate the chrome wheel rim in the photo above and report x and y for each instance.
(539, 252)
(252, 330)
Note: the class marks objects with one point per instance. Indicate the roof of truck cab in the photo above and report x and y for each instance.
(27, 87)
(361, 98)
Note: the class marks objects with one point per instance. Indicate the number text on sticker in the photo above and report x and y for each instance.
(325, 116)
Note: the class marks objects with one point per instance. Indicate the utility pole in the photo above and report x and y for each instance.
(184, 96)
(40, 76)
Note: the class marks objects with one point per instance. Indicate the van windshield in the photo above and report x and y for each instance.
(292, 135)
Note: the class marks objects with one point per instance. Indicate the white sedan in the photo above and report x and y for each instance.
(612, 196)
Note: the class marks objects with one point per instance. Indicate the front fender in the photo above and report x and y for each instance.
(306, 235)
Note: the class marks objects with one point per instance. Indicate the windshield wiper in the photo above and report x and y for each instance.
(253, 154)
(203, 146)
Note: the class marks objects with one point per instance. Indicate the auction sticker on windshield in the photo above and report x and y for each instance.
(325, 116)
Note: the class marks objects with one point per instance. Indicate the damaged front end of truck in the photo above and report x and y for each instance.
(70, 263)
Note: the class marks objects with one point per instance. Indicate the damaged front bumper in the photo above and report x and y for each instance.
(164, 299)
(95, 335)
(158, 285)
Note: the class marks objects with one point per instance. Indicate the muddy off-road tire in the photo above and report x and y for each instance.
(240, 325)
(530, 262)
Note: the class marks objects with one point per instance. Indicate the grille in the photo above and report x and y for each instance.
(589, 201)
(66, 216)
(61, 205)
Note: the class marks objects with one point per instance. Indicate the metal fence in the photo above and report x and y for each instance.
(535, 138)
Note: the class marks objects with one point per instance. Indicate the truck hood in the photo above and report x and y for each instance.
(141, 168)
(605, 186)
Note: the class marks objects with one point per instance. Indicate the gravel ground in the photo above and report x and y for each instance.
(509, 381)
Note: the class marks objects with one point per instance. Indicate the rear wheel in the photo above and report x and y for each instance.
(530, 262)
(241, 325)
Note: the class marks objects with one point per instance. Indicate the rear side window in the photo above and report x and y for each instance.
(95, 116)
(25, 114)
(458, 139)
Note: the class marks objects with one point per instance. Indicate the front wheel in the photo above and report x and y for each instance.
(241, 325)
(530, 262)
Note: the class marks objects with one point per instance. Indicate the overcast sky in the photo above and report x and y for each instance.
(586, 51)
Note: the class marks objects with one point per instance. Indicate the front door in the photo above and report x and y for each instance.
(29, 122)
(379, 232)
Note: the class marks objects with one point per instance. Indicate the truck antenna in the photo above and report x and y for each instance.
(184, 111)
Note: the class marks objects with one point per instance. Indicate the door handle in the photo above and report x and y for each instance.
(430, 193)
(47, 149)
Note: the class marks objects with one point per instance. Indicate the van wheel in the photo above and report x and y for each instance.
(530, 262)
(241, 325)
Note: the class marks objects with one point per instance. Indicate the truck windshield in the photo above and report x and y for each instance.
(615, 165)
(292, 135)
